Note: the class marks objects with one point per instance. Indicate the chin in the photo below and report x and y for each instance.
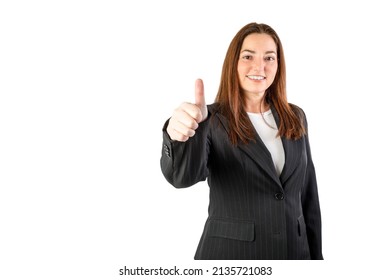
(257, 91)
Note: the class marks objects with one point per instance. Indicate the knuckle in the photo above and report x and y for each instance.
(182, 138)
(190, 133)
(194, 124)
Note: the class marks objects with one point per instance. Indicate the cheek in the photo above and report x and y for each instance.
(272, 70)
(240, 76)
(239, 69)
(243, 65)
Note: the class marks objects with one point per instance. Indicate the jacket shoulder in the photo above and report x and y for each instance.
(297, 110)
(300, 113)
(213, 108)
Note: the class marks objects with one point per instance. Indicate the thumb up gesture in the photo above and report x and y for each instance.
(186, 118)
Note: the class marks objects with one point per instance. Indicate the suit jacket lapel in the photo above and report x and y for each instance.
(258, 152)
(292, 152)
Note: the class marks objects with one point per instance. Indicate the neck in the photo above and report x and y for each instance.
(256, 104)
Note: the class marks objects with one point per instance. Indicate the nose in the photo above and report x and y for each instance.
(258, 65)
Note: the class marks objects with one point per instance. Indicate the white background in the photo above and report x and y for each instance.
(85, 87)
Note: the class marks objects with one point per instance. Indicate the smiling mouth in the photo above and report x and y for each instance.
(256, 77)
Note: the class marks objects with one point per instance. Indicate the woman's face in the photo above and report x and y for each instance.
(257, 64)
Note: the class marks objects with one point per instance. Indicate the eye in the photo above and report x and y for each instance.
(246, 57)
(270, 58)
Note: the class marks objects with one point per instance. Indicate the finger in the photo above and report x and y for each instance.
(200, 100)
(191, 111)
(181, 138)
(199, 93)
(178, 132)
(176, 136)
(184, 130)
(188, 121)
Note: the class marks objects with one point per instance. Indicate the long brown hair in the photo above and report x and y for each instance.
(231, 100)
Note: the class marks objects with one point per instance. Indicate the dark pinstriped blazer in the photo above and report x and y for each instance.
(253, 213)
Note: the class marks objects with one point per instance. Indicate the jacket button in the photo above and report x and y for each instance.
(167, 151)
(279, 196)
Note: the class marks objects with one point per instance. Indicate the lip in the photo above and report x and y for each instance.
(257, 78)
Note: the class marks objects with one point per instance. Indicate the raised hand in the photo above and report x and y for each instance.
(186, 118)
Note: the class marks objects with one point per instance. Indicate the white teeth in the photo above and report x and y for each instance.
(252, 77)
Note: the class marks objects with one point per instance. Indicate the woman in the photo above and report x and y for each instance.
(253, 148)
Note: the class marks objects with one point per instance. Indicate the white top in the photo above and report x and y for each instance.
(268, 136)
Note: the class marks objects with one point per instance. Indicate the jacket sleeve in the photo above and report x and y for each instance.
(311, 206)
(184, 164)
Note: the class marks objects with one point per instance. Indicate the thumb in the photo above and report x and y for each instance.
(200, 99)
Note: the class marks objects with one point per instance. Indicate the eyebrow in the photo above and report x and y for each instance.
(251, 51)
